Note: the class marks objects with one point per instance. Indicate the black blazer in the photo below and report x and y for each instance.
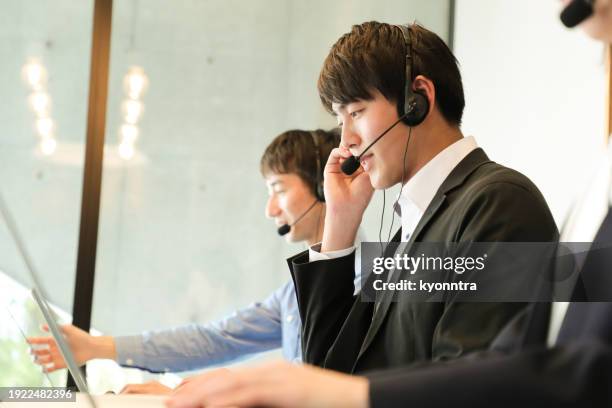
(577, 372)
(480, 201)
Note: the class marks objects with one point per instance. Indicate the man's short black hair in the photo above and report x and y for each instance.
(373, 57)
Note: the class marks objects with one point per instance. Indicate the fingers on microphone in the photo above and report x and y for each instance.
(341, 152)
(345, 152)
(334, 158)
(337, 156)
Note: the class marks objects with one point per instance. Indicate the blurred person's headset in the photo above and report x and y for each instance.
(576, 12)
(318, 187)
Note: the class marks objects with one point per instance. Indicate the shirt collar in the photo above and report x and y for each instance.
(422, 187)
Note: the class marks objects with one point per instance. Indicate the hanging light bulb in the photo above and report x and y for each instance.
(40, 103)
(129, 133)
(48, 146)
(135, 82)
(45, 126)
(35, 74)
(132, 110)
(126, 150)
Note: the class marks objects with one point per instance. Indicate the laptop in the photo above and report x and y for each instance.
(41, 300)
(50, 319)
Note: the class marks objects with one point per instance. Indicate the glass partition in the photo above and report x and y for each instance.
(21, 318)
(44, 77)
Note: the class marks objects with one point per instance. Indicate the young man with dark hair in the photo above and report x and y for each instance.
(292, 166)
(576, 372)
(372, 57)
(404, 82)
(451, 192)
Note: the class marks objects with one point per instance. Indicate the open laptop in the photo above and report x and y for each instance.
(38, 293)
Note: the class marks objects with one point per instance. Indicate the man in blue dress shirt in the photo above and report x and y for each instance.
(292, 166)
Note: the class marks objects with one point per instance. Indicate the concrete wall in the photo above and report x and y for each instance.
(534, 93)
(182, 234)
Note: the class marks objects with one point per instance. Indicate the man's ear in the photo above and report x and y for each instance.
(425, 87)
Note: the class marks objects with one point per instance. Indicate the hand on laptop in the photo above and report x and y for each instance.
(151, 387)
(273, 385)
(84, 346)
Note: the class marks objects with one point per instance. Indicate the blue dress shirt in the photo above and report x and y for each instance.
(262, 326)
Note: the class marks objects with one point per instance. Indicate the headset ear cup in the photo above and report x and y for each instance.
(320, 192)
(419, 109)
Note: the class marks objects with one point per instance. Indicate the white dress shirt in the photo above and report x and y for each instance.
(417, 193)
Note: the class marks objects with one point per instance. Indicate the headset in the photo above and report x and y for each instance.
(412, 112)
(576, 12)
(415, 109)
(319, 192)
(416, 104)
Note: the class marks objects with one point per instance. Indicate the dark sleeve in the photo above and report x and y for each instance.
(324, 291)
(578, 376)
(499, 212)
(507, 212)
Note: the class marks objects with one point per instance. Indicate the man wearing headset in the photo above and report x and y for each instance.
(575, 372)
(292, 166)
(397, 94)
